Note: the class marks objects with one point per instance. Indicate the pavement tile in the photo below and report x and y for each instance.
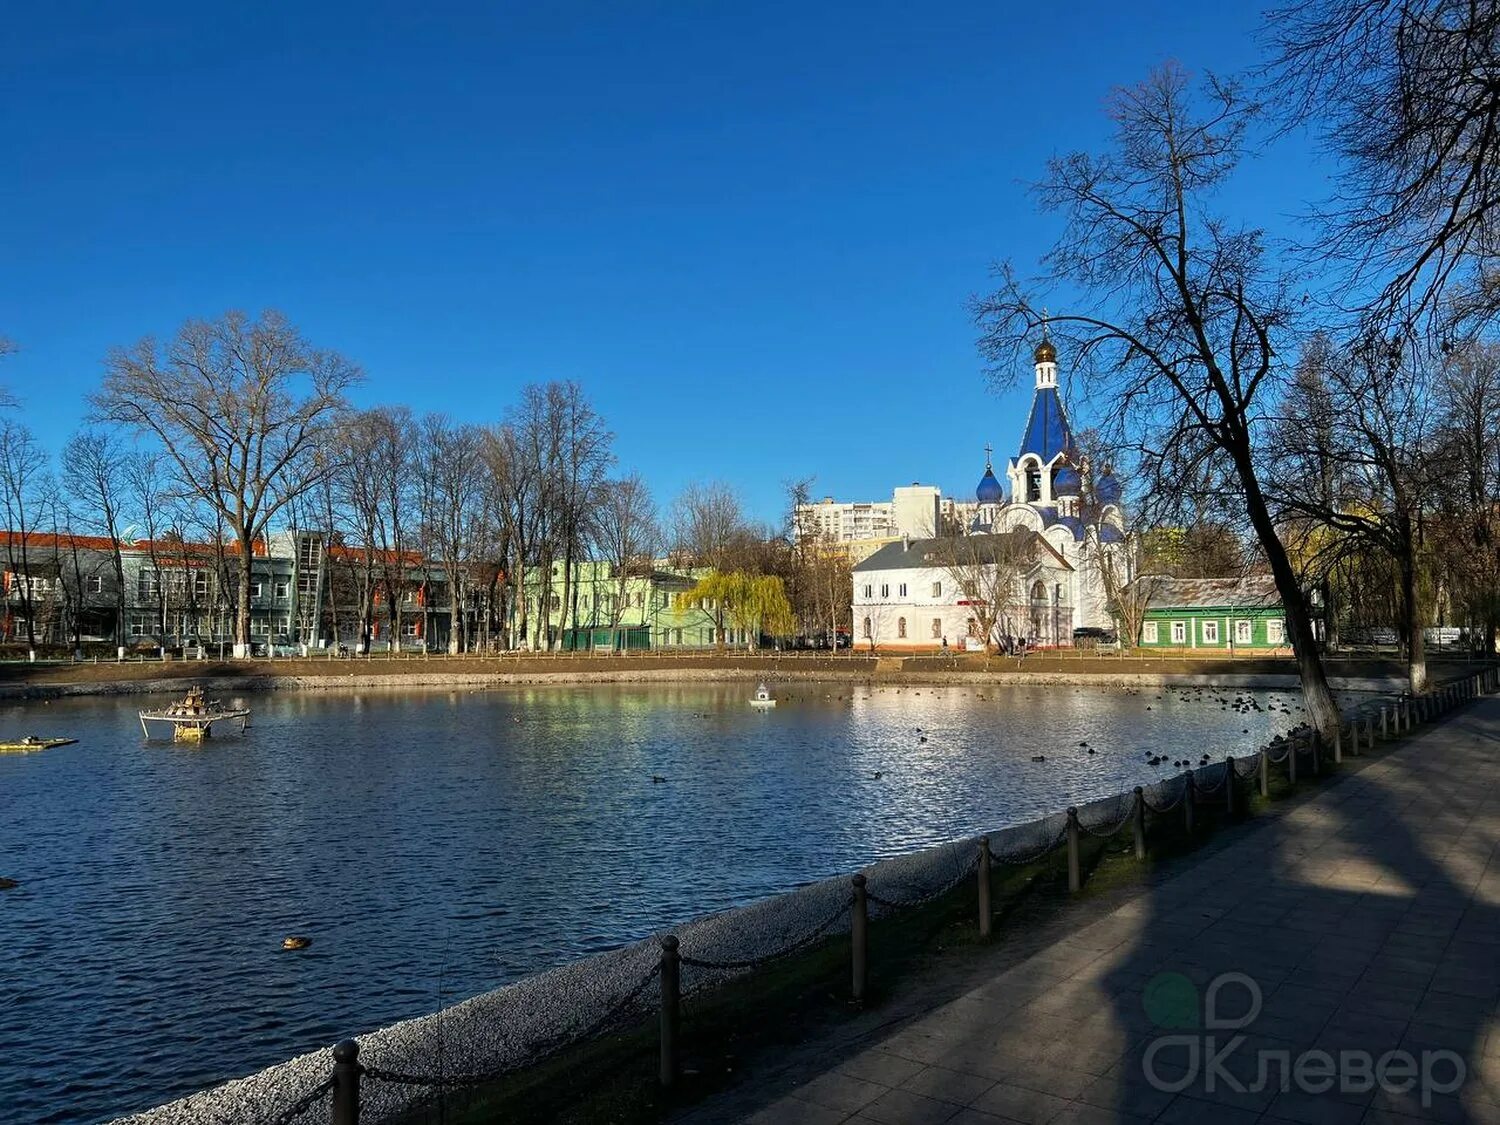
(904, 1107)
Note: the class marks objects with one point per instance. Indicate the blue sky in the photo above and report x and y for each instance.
(749, 231)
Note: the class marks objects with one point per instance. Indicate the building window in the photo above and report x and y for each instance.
(146, 584)
(901, 627)
(901, 593)
(137, 626)
(937, 627)
(412, 628)
(1276, 631)
(200, 583)
(868, 631)
(257, 589)
(94, 584)
(869, 591)
(885, 591)
(1244, 632)
(1179, 632)
(677, 636)
(1210, 632)
(1038, 592)
(1148, 633)
(1033, 485)
(937, 589)
(281, 589)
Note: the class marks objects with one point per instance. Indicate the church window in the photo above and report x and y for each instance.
(1244, 632)
(937, 627)
(901, 627)
(1179, 632)
(1033, 485)
(1148, 633)
(869, 591)
(1210, 632)
(1038, 592)
(902, 591)
(937, 589)
(885, 590)
(973, 627)
(1275, 631)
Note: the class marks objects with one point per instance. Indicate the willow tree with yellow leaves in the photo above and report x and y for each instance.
(755, 604)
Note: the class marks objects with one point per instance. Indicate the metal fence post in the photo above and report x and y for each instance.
(1075, 870)
(1316, 742)
(859, 939)
(671, 1001)
(1383, 734)
(1229, 785)
(1291, 759)
(984, 887)
(1338, 744)
(1265, 773)
(1140, 823)
(346, 1072)
(1189, 800)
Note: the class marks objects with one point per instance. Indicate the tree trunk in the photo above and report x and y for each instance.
(242, 611)
(1416, 642)
(567, 604)
(119, 598)
(1322, 710)
(454, 640)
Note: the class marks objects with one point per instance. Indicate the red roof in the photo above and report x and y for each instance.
(66, 541)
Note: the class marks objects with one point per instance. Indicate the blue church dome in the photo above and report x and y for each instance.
(1067, 482)
(990, 491)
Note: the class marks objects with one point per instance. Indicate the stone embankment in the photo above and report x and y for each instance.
(47, 681)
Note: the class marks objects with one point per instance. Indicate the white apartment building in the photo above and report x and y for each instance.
(917, 510)
(843, 523)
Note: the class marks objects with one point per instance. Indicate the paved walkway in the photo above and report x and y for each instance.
(1367, 916)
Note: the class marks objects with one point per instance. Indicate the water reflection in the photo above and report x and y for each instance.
(436, 845)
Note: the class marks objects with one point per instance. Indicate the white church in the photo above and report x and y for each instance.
(909, 594)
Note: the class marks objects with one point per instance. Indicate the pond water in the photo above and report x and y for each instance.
(435, 845)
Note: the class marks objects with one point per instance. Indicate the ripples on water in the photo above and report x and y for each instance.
(437, 845)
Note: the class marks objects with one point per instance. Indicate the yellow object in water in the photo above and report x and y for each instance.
(32, 742)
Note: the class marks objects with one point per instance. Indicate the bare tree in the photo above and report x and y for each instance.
(393, 471)
(584, 459)
(709, 529)
(1352, 463)
(1190, 314)
(239, 406)
(626, 533)
(990, 572)
(94, 464)
(1466, 457)
(23, 481)
(452, 466)
(1405, 91)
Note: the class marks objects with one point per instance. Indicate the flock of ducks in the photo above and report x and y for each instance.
(1236, 702)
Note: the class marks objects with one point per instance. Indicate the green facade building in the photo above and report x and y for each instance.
(599, 619)
(1228, 614)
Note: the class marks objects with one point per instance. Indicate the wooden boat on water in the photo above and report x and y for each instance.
(33, 742)
(193, 718)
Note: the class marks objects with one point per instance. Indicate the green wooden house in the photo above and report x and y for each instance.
(1213, 613)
